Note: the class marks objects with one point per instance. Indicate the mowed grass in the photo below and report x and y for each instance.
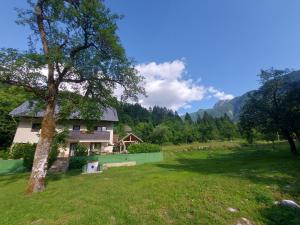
(191, 186)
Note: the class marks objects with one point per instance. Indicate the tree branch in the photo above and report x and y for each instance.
(73, 81)
(40, 18)
(73, 53)
(36, 91)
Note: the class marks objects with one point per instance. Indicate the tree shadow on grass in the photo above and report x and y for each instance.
(281, 215)
(13, 176)
(262, 165)
(66, 175)
(6, 179)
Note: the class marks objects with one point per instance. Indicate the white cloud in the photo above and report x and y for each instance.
(166, 86)
(166, 70)
(219, 94)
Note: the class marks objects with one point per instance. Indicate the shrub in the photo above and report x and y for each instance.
(29, 150)
(18, 150)
(4, 154)
(77, 162)
(143, 148)
(59, 140)
(29, 157)
(26, 151)
(53, 155)
(81, 150)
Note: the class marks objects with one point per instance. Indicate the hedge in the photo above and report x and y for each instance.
(27, 151)
(28, 155)
(19, 150)
(143, 148)
(4, 154)
(77, 162)
(81, 150)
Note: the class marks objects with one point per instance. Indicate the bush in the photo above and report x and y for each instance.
(143, 148)
(77, 162)
(59, 140)
(81, 150)
(28, 155)
(26, 151)
(52, 156)
(4, 154)
(19, 150)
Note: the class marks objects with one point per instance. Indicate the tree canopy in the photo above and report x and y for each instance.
(73, 47)
(274, 107)
(77, 42)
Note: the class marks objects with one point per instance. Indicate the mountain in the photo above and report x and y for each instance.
(233, 107)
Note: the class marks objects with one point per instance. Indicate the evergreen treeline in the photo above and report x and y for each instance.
(156, 125)
(10, 98)
(161, 125)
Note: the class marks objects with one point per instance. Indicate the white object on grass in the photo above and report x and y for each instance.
(92, 167)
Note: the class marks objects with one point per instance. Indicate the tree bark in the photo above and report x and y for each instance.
(39, 168)
(292, 145)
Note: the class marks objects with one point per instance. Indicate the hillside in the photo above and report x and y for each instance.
(233, 107)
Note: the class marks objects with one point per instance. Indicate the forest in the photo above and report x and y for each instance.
(155, 125)
(270, 113)
(160, 125)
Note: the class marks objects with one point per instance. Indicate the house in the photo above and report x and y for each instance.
(98, 141)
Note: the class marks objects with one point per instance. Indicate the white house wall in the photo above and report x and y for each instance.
(25, 135)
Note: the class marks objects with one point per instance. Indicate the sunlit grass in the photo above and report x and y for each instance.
(192, 186)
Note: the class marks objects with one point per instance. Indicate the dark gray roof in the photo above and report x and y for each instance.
(85, 136)
(27, 110)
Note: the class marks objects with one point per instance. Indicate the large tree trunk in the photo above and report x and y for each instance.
(39, 168)
(292, 145)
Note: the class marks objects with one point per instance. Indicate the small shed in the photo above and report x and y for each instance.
(129, 139)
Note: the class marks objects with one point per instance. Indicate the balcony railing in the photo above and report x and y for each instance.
(86, 135)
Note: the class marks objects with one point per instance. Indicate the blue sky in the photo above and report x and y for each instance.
(209, 44)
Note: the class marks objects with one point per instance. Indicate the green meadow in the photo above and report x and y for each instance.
(195, 184)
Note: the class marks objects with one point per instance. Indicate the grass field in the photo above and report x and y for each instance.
(191, 186)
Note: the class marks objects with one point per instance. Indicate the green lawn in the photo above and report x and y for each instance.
(190, 187)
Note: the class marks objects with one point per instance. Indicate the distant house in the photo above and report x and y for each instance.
(99, 140)
(129, 139)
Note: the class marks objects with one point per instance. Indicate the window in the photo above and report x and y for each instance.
(35, 127)
(76, 127)
(97, 128)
